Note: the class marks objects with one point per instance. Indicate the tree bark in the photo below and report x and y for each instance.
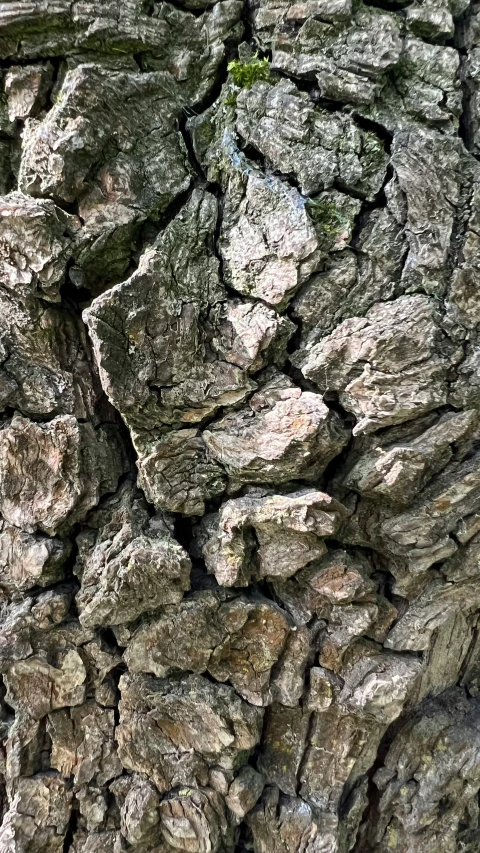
(240, 426)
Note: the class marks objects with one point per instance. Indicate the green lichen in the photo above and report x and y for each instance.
(231, 99)
(392, 838)
(326, 215)
(405, 67)
(374, 157)
(245, 74)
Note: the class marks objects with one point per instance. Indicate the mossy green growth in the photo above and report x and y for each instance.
(404, 68)
(326, 215)
(231, 99)
(245, 74)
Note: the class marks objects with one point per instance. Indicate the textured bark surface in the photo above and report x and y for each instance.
(240, 426)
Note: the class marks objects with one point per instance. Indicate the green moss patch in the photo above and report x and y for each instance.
(245, 74)
(326, 215)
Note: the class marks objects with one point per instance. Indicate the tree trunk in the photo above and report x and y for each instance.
(240, 426)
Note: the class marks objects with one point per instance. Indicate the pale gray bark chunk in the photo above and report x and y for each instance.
(250, 334)
(244, 791)
(439, 519)
(288, 682)
(371, 697)
(194, 820)
(38, 817)
(36, 626)
(472, 72)
(206, 724)
(283, 434)
(352, 282)
(428, 777)
(52, 474)
(154, 336)
(83, 744)
(423, 533)
(35, 687)
(337, 578)
(367, 59)
(388, 367)
(337, 48)
(268, 243)
(176, 470)
(426, 90)
(287, 529)
(129, 563)
(28, 560)
(121, 164)
(27, 89)
(267, 15)
(45, 364)
(46, 368)
(435, 177)
(462, 307)
(395, 473)
(272, 237)
(37, 241)
(443, 608)
(140, 812)
(283, 824)
(435, 20)
(415, 518)
(182, 637)
(85, 841)
(316, 146)
(189, 48)
(238, 640)
(276, 238)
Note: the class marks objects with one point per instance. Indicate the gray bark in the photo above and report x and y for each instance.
(240, 426)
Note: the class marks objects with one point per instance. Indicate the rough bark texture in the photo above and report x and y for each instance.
(240, 426)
